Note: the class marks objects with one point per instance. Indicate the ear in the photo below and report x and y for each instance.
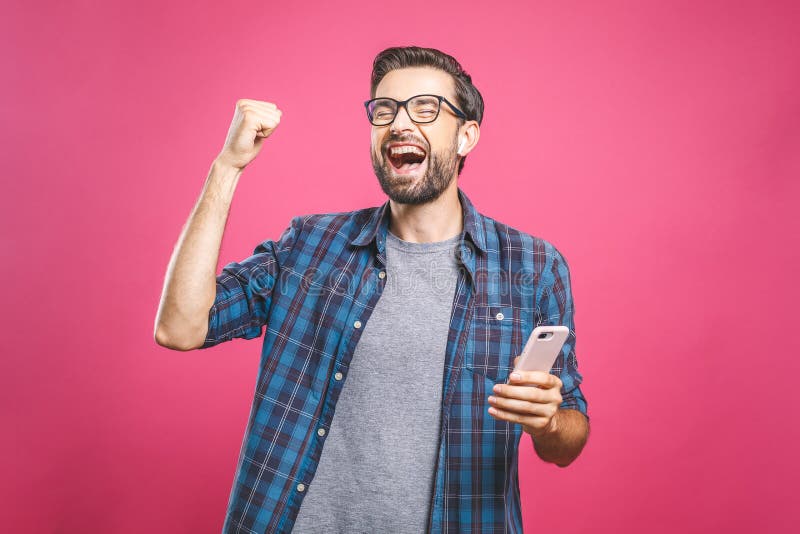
(468, 137)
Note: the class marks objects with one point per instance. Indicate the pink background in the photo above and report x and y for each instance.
(656, 144)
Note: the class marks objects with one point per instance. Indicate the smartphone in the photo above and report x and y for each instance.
(542, 348)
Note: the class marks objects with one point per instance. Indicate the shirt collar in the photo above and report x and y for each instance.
(377, 226)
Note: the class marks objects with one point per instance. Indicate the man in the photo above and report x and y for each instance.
(404, 320)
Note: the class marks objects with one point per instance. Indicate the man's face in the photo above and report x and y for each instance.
(402, 176)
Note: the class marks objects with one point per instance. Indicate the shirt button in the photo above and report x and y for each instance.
(301, 487)
(499, 316)
(357, 324)
(321, 432)
(382, 275)
(338, 376)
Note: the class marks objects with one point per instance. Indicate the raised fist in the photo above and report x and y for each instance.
(253, 121)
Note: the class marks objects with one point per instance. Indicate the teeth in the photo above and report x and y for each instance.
(405, 149)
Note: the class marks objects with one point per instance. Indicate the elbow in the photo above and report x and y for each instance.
(160, 336)
(566, 460)
(167, 340)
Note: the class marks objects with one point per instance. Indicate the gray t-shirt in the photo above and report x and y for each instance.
(376, 470)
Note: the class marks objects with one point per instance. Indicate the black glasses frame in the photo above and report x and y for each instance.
(404, 103)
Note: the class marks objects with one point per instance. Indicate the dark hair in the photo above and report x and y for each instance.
(468, 98)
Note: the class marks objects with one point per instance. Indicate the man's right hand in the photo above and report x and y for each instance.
(253, 121)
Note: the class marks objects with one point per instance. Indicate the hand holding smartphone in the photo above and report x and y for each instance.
(542, 348)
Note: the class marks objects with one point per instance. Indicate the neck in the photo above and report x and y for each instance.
(437, 220)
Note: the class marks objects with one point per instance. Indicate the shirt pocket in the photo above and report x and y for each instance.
(495, 339)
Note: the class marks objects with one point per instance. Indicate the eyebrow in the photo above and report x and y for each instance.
(429, 95)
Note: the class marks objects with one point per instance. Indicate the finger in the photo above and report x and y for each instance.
(251, 111)
(255, 103)
(523, 407)
(535, 378)
(264, 123)
(267, 106)
(535, 422)
(260, 108)
(527, 393)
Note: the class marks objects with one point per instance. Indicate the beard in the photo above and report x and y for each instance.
(440, 171)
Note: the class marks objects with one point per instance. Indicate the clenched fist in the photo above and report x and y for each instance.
(253, 121)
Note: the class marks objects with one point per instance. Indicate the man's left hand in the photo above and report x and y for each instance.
(534, 408)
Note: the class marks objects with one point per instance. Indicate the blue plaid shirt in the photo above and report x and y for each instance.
(315, 289)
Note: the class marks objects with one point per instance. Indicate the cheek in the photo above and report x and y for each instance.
(375, 145)
(439, 141)
(378, 134)
(376, 154)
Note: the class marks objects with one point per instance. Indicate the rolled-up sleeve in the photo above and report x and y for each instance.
(245, 290)
(557, 308)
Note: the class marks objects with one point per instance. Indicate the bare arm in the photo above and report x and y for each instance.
(190, 284)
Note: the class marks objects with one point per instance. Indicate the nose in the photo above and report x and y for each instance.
(402, 121)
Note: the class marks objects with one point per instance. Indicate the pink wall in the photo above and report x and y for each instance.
(657, 144)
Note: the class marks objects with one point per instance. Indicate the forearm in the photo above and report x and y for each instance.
(564, 440)
(190, 283)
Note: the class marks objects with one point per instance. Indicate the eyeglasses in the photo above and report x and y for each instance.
(421, 109)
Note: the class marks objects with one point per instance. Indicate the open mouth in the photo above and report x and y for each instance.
(406, 158)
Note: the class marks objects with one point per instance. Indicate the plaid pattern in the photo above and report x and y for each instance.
(315, 288)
